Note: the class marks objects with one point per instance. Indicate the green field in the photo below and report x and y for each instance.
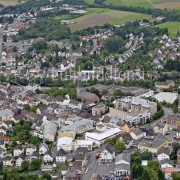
(100, 16)
(90, 2)
(173, 28)
(138, 3)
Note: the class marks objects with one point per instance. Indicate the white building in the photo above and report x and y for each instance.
(65, 143)
(83, 143)
(100, 137)
(166, 96)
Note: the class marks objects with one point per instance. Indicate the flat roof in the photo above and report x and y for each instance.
(103, 135)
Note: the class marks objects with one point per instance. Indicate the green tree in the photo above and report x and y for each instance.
(46, 176)
(120, 145)
(35, 164)
(25, 165)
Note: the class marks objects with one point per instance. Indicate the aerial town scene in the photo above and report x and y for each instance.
(90, 89)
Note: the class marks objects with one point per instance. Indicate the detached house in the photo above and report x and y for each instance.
(61, 156)
(18, 150)
(43, 148)
(47, 158)
(30, 149)
(7, 161)
(20, 160)
(122, 165)
(107, 154)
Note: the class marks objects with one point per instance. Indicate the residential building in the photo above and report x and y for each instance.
(160, 128)
(163, 153)
(137, 134)
(166, 163)
(20, 160)
(133, 110)
(125, 128)
(122, 165)
(47, 158)
(7, 161)
(18, 150)
(173, 121)
(61, 156)
(107, 154)
(165, 85)
(30, 149)
(43, 148)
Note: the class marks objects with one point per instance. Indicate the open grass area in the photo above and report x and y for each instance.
(173, 28)
(100, 16)
(90, 2)
(9, 2)
(138, 3)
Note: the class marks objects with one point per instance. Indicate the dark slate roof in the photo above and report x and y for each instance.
(168, 161)
(61, 152)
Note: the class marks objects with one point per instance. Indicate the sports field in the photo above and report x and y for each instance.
(100, 16)
(9, 2)
(173, 27)
(138, 3)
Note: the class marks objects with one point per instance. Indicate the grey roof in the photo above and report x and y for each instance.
(122, 167)
(151, 143)
(61, 152)
(45, 145)
(32, 146)
(109, 148)
(168, 161)
(122, 156)
(137, 132)
(77, 124)
(5, 112)
(87, 95)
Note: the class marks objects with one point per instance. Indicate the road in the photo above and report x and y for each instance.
(133, 46)
(92, 164)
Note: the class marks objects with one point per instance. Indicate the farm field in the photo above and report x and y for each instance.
(90, 1)
(9, 2)
(173, 28)
(138, 3)
(100, 16)
(169, 4)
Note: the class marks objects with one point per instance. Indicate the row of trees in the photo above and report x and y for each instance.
(48, 29)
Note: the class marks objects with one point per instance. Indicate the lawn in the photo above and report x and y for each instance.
(90, 2)
(100, 16)
(173, 28)
(9, 2)
(138, 3)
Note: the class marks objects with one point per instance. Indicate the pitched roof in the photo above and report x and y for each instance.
(168, 161)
